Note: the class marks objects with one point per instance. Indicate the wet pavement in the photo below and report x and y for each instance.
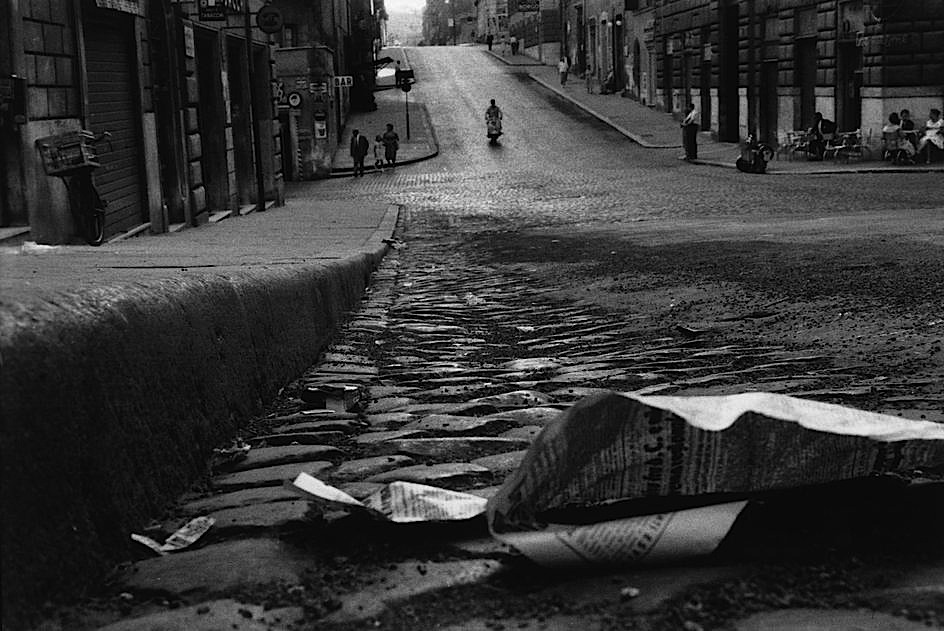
(460, 356)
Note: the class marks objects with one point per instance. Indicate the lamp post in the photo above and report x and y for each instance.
(617, 24)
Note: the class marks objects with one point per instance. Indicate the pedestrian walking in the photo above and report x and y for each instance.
(359, 148)
(690, 133)
(488, 40)
(514, 45)
(378, 153)
(588, 76)
(562, 68)
(391, 143)
(397, 75)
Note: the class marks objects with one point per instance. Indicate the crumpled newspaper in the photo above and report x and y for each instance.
(627, 479)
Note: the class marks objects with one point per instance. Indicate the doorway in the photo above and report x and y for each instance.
(849, 86)
(768, 101)
(240, 115)
(111, 71)
(728, 98)
(806, 80)
(211, 122)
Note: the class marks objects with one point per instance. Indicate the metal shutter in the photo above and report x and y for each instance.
(113, 106)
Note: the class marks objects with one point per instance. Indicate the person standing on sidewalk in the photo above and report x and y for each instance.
(488, 40)
(562, 68)
(514, 45)
(391, 143)
(588, 76)
(359, 147)
(690, 133)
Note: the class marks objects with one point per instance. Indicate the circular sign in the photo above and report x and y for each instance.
(269, 19)
(406, 87)
(294, 99)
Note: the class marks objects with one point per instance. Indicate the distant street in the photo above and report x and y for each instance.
(852, 263)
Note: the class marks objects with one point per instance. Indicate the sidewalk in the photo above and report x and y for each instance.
(657, 130)
(125, 365)
(421, 144)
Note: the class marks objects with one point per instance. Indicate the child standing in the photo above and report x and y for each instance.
(378, 153)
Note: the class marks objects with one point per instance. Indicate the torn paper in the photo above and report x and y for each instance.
(185, 536)
(635, 540)
(399, 502)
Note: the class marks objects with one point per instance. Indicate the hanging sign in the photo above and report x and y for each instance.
(269, 19)
(343, 81)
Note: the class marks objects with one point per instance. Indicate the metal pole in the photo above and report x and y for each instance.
(253, 113)
(407, 101)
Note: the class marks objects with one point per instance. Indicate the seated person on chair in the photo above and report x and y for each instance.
(894, 139)
(933, 133)
(821, 130)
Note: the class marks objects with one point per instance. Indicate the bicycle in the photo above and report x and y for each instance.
(72, 157)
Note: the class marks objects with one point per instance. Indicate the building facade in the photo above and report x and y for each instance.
(171, 87)
(537, 25)
(766, 66)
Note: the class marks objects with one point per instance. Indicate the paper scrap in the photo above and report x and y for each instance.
(186, 536)
(399, 502)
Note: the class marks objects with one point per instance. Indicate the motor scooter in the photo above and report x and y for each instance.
(493, 129)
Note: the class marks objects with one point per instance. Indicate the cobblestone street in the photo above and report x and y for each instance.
(564, 262)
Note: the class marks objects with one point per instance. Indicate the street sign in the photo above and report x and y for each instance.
(295, 100)
(406, 86)
(269, 19)
(212, 11)
(343, 81)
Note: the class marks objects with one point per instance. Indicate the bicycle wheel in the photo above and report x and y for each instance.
(88, 209)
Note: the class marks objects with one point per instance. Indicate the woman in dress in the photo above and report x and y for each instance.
(933, 131)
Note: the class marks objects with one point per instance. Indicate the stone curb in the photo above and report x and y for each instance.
(860, 170)
(113, 399)
(637, 139)
(502, 59)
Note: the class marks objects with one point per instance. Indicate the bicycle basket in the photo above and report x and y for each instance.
(67, 153)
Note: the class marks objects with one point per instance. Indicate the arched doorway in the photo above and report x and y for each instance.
(637, 62)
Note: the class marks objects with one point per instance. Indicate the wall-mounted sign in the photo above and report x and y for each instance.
(317, 87)
(295, 100)
(343, 81)
(125, 6)
(211, 10)
(706, 52)
(528, 6)
(269, 19)
(190, 47)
